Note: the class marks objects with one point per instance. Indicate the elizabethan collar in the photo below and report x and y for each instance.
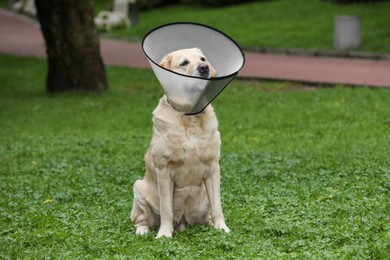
(190, 94)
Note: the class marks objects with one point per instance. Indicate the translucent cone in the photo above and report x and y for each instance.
(190, 94)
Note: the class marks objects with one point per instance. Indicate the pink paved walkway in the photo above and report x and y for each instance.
(22, 37)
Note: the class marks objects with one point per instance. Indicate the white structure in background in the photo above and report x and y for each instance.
(346, 34)
(25, 6)
(119, 16)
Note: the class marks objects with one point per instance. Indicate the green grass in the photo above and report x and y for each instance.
(301, 24)
(305, 173)
(306, 24)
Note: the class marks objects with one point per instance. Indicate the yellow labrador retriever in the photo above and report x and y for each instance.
(182, 181)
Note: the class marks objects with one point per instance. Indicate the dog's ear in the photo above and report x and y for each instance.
(166, 62)
(213, 72)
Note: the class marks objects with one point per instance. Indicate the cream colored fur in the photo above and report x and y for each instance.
(174, 60)
(182, 180)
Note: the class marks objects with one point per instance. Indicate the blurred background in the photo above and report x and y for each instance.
(259, 24)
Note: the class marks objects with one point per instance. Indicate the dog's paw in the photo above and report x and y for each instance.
(180, 227)
(220, 224)
(165, 231)
(142, 230)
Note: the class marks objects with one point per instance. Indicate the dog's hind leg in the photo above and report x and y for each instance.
(142, 214)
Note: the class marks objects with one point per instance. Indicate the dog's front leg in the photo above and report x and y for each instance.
(212, 184)
(165, 191)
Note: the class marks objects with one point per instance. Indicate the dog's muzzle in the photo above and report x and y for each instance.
(204, 71)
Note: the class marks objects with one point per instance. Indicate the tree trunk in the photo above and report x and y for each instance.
(72, 45)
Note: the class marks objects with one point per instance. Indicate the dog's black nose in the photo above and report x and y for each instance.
(203, 68)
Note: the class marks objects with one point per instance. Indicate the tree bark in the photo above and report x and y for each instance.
(72, 45)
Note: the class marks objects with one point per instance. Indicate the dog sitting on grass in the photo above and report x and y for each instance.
(182, 181)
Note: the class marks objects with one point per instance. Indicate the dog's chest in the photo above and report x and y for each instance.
(194, 142)
(189, 149)
(193, 157)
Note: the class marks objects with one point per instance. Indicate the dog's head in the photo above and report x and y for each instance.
(190, 62)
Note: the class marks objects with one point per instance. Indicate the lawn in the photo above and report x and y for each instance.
(302, 24)
(276, 24)
(305, 171)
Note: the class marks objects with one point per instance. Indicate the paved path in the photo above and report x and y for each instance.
(19, 36)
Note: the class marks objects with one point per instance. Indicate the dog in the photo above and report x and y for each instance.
(182, 181)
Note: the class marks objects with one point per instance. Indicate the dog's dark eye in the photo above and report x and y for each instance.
(202, 58)
(184, 63)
